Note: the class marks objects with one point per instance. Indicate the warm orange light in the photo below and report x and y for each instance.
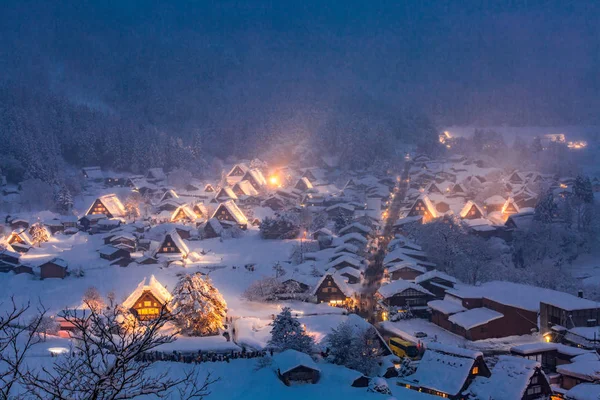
(273, 180)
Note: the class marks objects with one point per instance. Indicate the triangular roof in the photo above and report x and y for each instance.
(112, 204)
(356, 263)
(289, 360)
(246, 188)
(186, 210)
(305, 182)
(169, 194)
(154, 286)
(177, 241)
(435, 274)
(357, 225)
(243, 167)
(399, 286)
(465, 210)
(256, 175)
(233, 210)
(226, 192)
(339, 281)
(430, 207)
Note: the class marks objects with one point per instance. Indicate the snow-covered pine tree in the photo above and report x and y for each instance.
(545, 209)
(582, 189)
(340, 343)
(64, 200)
(197, 307)
(288, 333)
(366, 352)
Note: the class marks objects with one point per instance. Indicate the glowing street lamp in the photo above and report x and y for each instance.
(273, 180)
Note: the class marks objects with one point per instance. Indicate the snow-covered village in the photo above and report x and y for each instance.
(230, 233)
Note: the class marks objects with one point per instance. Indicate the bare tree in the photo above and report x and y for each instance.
(107, 361)
(16, 338)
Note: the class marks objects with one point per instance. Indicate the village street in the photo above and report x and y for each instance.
(374, 271)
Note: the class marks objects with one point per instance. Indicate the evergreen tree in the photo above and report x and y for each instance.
(545, 209)
(64, 200)
(287, 333)
(582, 189)
(340, 343)
(197, 306)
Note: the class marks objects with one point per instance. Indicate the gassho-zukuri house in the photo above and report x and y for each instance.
(147, 300)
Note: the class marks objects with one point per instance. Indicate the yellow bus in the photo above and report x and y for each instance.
(404, 348)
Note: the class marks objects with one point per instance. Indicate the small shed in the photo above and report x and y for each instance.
(295, 367)
(55, 268)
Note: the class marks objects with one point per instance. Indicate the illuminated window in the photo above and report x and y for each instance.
(475, 370)
(147, 303)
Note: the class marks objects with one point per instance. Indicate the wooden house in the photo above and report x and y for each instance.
(404, 294)
(295, 367)
(518, 378)
(423, 207)
(303, 185)
(19, 224)
(516, 178)
(108, 205)
(436, 282)
(9, 260)
(458, 366)
(168, 205)
(90, 221)
(471, 211)
(340, 209)
(256, 178)
(494, 203)
(225, 194)
(334, 290)
(212, 229)
(274, 202)
(183, 214)
(344, 262)
(238, 170)
(200, 210)
(458, 190)
(173, 244)
(209, 188)
(434, 188)
(169, 195)
(147, 300)
(55, 268)
(229, 211)
(404, 270)
(244, 188)
(112, 253)
(510, 207)
(23, 269)
(356, 227)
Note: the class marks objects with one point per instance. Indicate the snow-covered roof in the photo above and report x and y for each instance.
(353, 236)
(305, 182)
(509, 380)
(234, 210)
(108, 250)
(189, 213)
(444, 371)
(291, 359)
(226, 192)
(257, 175)
(346, 247)
(169, 194)
(587, 332)
(246, 188)
(340, 281)
(584, 391)
(356, 225)
(154, 287)
(494, 200)
(585, 370)
(447, 307)
(112, 204)
(399, 286)
(216, 226)
(93, 172)
(344, 259)
(474, 317)
(408, 220)
(405, 264)
(435, 274)
(348, 270)
(465, 210)
(522, 296)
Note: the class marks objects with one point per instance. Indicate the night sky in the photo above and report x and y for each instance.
(491, 62)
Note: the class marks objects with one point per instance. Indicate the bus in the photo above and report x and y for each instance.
(404, 348)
